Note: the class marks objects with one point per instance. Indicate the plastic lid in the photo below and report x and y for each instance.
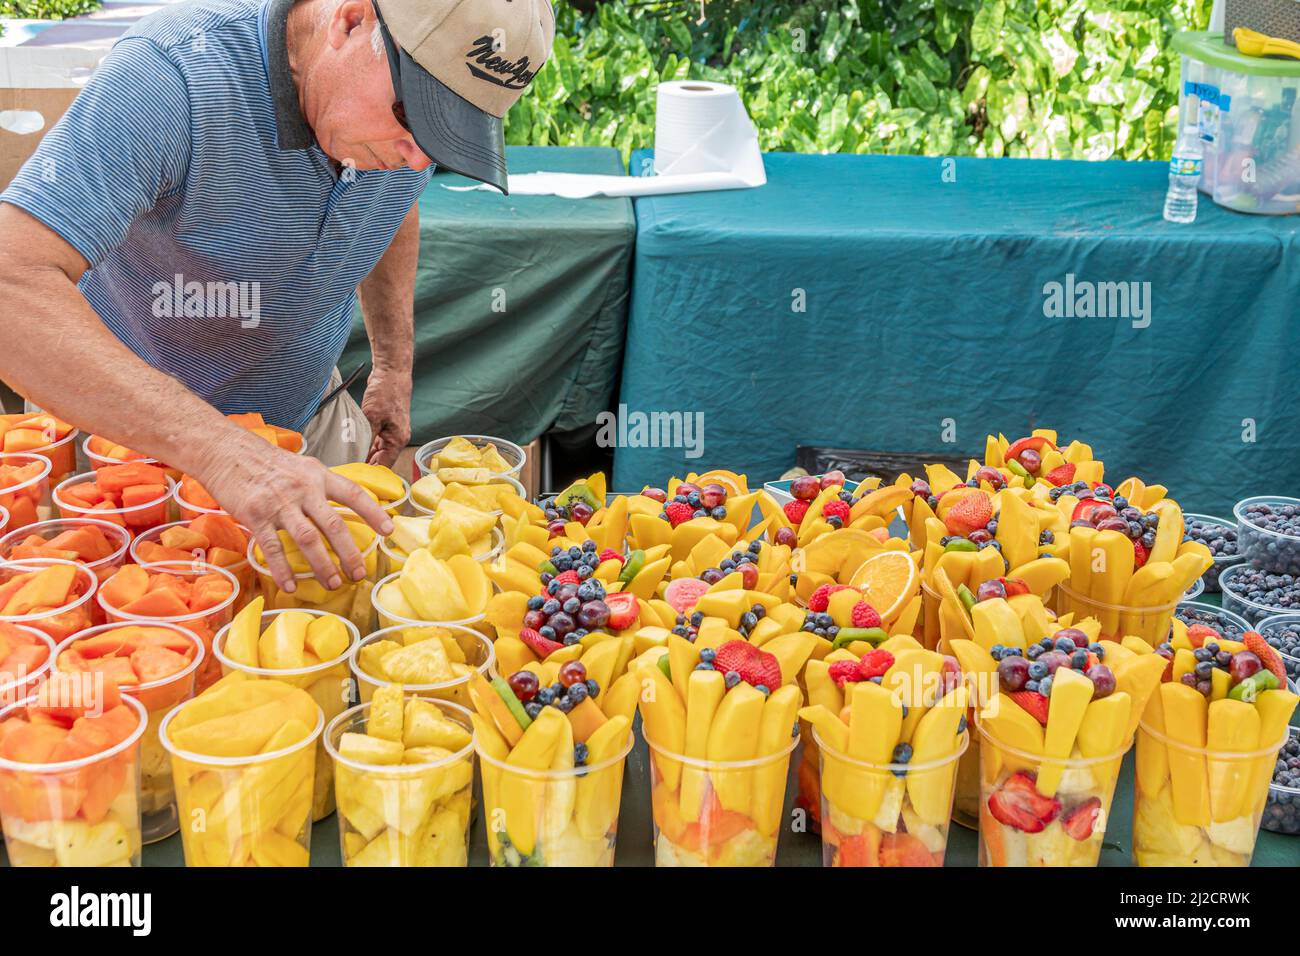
(1210, 49)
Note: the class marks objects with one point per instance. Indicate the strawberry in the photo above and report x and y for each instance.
(875, 664)
(568, 577)
(1061, 474)
(609, 554)
(541, 646)
(677, 512)
(1081, 821)
(1140, 554)
(836, 509)
(843, 672)
(970, 513)
(864, 615)
(821, 598)
(1014, 586)
(795, 510)
(1198, 634)
(1017, 803)
(1256, 644)
(1032, 702)
(623, 610)
(753, 665)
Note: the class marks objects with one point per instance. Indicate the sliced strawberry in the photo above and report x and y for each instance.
(1014, 586)
(969, 514)
(568, 577)
(1140, 554)
(1036, 442)
(1032, 702)
(753, 665)
(1061, 474)
(1093, 510)
(1017, 803)
(543, 647)
(1082, 820)
(1198, 634)
(623, 610)
(1256, 644)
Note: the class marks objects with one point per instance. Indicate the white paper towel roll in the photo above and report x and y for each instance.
(704, 141)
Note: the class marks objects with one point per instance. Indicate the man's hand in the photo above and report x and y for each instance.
(387, 406)
(268, 490)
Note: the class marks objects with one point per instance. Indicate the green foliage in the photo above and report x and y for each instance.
(46, 9)
(1084, 79)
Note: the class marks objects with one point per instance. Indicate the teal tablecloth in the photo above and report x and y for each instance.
(924, 302)
(520, 304)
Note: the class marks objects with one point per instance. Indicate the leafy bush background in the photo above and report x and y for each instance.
(1083, 79)
(46, 9)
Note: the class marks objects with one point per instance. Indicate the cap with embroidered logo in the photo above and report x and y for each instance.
(457, 66)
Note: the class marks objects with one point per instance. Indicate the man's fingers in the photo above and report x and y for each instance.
(338, 488)
(273, 557)
(383, 452)
(312, 546)
(340, 538)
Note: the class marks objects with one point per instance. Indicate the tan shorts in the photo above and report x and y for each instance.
(339, 433)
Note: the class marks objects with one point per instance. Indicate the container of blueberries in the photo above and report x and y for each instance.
(1220, 536)
(1228, 624)
(1282, 812)
(1268, 533)
(1282, 632)
(1256, 594)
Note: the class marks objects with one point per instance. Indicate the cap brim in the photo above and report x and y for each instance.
(450, 130)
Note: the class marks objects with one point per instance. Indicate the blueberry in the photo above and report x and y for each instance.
(762, 689)
(697, 618)
(547, 632)
(1065, 645)
(551, 607)
(755, 547)
(546, 695)
(731, 679)
(759, 611)
(533, 708)
(718, 513)
(1045, 686)
(589, 545)
(580, 754)
(593, 687)
(536, 602)
(748, 620)
(577, 693)
(708, 655)
(1031, 685)
(571, 606)
(564, 705)
(1037, 670)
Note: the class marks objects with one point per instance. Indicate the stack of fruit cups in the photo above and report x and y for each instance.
(69, 775)
(154, 664)
(351, 599)
(24, 488)
(440, 671)
(52, 596)
(204, 622)
(100, 545)
(28, 657)
(244, 760)
(138, 517)
(101, 452)
(211, 539)
(278, 645)
(404, 776)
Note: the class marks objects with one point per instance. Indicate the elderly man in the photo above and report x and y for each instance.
(195, 231)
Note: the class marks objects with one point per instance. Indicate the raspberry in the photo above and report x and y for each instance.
(864, 615)
(568, 577)
(875, 664)
(843, 672)
(795, 510)
(678, 512)
(836, 509)
(821, 598)
(609, 554)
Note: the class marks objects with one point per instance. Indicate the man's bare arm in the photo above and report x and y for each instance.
(60, 355)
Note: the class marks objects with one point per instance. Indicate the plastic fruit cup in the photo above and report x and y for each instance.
(1261, 548)
(1211, 577)
(135, 519)
(477, 649)
(508, 450)
(552, 817)
(402, 504)
(1083, 798)
(388, 619)
(1276, 622)
(402, 814)
(98, 461)
(717, 812)
(885, 814)
(38, 827)
(243, 571)
(1195, 591)
(19, 686)
(328, 682)
(1229, 625)
(245, 811)
(118, 536)
(157, 793)
(79, 613)
(205, 624)
(1197, 807)
(1234, 599)
(350, 600)
(394, 560)
(1150, 623)
(62, 455)
(189, 511)
(1282, 812)
(22, 502)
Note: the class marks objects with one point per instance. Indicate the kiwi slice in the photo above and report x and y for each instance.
(512, 702)
(1016, 468)
(635, 562)
(847, 635)
(578, 491)
(967, 598)
(961, 544)
(663, 666)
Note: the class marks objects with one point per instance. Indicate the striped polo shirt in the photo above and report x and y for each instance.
(225, 247)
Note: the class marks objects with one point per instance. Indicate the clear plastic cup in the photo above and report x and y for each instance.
(242, 570)
(394, 560)
(552, 817)
(75, 813)
(135, 519)
(1235, 600)
(19, 683)
(387, 618)
(328, 682)
(1193, 806)
(1221, 562)
(245, 811)
(508, 450)
(79, 613)
(23, 501)
(203, 623)
(885, 814)
(717, 812)
(1068, 825)
(187, 510)
(1276, 622)
(98, 461)
(474, 647)
(1260, 548)
(1151, 623)
(1282, 812)
(62, 455)
(4, 519)
(118, 536)
(421, 511)
(408, 814)
(157, 793)
(350, 600)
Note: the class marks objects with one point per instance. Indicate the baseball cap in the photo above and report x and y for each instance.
(457, 66)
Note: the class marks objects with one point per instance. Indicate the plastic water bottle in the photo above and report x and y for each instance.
(1184, 175)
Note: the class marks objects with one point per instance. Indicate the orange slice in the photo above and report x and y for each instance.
(887, 581)
(733, 483)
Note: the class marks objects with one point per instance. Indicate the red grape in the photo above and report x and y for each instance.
(990, 590)
(657, 494)
(748, 575)
(786, 536)
(1244, 664)
(1030, 460)
(835, 477)
(805, 487)
(1013, 672)
(1103, 681)
(524, 684)
(574, 672)
(711, 496)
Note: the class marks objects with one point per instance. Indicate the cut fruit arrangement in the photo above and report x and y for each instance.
(890, 727)
(39, 433)
(243, 757)
(821, 504)
(553, 742)
(68, 772)
(54, 597)
(582, 505)
(404, 772)
(100, 545)
(429, 589)
(692, 511)
(430, 660)
(351, 599)
(1206, 749)
(136, 496)
(24, 481)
